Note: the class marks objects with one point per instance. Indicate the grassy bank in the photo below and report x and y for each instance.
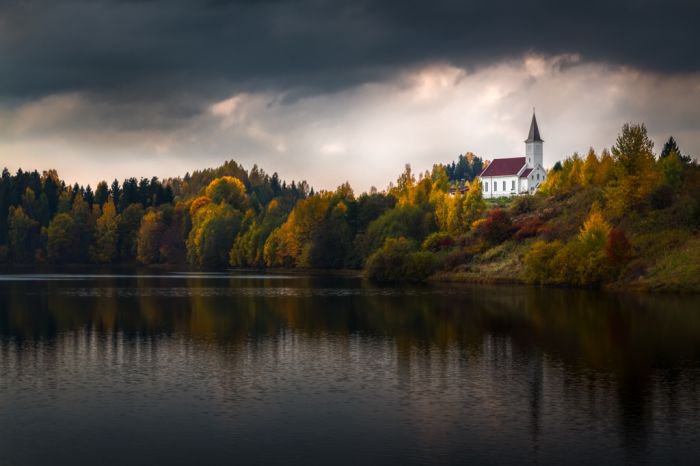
(663, 253)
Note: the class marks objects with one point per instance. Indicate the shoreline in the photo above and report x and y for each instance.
(643, 285)
(614, 287)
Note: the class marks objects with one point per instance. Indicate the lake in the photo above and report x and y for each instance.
(172, 368)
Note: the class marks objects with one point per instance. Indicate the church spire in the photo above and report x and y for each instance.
(534, 135)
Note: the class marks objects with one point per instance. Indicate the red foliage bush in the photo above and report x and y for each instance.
(527, 227)
(437, 242)
(497, 227)
(550, 232)
(617, 247)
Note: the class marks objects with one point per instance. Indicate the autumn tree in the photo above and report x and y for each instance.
(214, 228)
(104, 248)
(590, 169)
(474, 204)
(249, 246)
(633, 150)
(172, 249)
(636, 173)
(83, 228)
(398, 261)
(149, 238)
(227, 189)
(128, 224)
(22, 235)
(62, 246)
(287, 242)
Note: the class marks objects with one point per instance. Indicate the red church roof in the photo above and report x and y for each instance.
(526, 173)
(504, 167)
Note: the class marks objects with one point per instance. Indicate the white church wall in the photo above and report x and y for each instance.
(523, 185)
(499, 186)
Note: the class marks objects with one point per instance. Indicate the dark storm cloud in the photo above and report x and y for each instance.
(183, 50)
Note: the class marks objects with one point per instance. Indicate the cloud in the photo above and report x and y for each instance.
(333, 148)
(364, 134)
(159, 52)
(316, 87)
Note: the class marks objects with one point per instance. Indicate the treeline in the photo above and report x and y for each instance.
(219, 217)
(465, 168)
(589, 224)
(147, 221)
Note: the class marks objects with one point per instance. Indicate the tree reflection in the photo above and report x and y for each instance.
(590, 351)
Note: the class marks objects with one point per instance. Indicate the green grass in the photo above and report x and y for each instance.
(673, 268)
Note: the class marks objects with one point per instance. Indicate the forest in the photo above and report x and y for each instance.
(624, 217)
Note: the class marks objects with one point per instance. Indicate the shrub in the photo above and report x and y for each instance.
(584, 261)
(455, 259)
(581, 263)
(496, 227)
(398, 262)
(438, 241)
(550, 232)
(617, 247)
(419, 266)
(523, 204)
(404, 221)
(538, 261)
(661, 197)
(595, 230)
(527, 228)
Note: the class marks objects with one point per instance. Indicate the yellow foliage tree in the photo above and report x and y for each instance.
(104, 249)
(590, 168)
(595, 229)
(197, 204)
(214, 229)
(149, 239)
(227, 189)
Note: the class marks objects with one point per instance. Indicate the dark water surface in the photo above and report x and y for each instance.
(217, 369)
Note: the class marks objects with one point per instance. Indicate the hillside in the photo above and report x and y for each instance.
(626, 220)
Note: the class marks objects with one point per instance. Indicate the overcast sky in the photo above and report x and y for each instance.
(330, 91)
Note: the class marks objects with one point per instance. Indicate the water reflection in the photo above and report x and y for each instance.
(313, 366)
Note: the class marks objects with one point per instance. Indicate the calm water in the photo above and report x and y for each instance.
(217, 369)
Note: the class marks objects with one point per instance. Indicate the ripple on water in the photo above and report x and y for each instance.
(265, 292)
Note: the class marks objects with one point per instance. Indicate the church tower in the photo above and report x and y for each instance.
(533, 145)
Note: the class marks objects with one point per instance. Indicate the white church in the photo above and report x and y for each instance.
(516, 175)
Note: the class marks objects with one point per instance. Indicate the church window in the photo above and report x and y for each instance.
(495, 186)
(504, 186)
(512, 185)
(486, 187)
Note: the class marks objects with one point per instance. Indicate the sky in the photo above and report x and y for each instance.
(335, 91)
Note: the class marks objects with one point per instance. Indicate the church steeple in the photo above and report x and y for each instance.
(533, 144)
(534, 135)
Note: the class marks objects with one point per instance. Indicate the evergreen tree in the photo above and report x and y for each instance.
(129, 194)
(671, 147)
(89, 196)
(101, 193)
(116, 192)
